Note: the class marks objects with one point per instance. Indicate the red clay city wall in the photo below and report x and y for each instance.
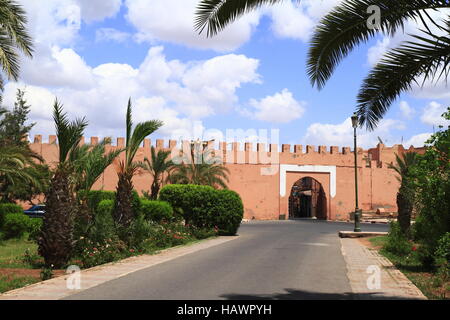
(263, 176)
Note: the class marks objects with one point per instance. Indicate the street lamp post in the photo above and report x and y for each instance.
(357, 210)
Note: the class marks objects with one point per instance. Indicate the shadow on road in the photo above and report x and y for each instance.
(294, 294)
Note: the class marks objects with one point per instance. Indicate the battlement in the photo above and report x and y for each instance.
(253, 153)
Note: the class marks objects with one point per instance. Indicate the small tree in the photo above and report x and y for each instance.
(123, 211)
(56, 240)
(433, 189)
(157, 166)
(200, 167)
(405, 195)
(14, 129)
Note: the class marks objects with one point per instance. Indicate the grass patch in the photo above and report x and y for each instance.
(8, 283)
(12, 253)
(378, 241)
(431, 284)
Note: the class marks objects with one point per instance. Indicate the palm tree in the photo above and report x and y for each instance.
(123, 212)
(14, 38)
(200, 168)
(157, 166)
(90, 162)
(339, 32)
(16, 167)
(56, 240)
(405, 195)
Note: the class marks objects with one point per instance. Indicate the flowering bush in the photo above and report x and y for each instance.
(202, 233)
(95, 254)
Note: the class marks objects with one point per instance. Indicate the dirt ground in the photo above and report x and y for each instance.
(367, 243)
(34, 273)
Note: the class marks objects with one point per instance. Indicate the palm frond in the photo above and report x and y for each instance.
(90, 162)
(69, 133)
(344, 28)
(428, 57)
(215, 15)
(14, 37)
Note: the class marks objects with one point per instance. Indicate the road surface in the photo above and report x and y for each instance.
(270, 260)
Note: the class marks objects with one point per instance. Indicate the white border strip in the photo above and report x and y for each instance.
(284, 168)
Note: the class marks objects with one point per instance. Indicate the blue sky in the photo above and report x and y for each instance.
(93, 55)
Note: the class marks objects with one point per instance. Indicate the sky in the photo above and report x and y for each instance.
(93, 55)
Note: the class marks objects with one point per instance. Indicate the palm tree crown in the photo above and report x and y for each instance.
(123, 212)
(201, 167)
(14, 38)
(427, 56)
(157, 166)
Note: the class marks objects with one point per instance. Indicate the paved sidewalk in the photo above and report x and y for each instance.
(362, 266)
(56, 288)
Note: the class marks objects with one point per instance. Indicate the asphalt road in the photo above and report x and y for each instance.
(270, 260)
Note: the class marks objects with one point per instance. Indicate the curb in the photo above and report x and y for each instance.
(362, 234)
(57, 288)
(362, 265)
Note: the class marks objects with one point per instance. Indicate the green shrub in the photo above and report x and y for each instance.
(6, 208)
(229, 212)
(157, 211)
(139, 232)
(167, 235)
(94, 254)
(206, 207)
(105, 207)
(202, 233)
(442, 256)
(15, 225)
(173, 194)
(34, 228)
(397, 243)
(103, 227)
(94, 197)
(136, 203)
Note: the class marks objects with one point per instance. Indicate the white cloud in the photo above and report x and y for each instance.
(427, 89)
(53, 22)
(290, 21)
(432, 114)
(407, 111)
(297, 20)
(278, 108)
(56, 67)
(111, 34)
(97, 10)
(417, 140)
(173, 21)
(175, 92)
(342, 134)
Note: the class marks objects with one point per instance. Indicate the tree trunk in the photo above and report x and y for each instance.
(405, 208)
(123, 213)
(154, 190)
(56, 240)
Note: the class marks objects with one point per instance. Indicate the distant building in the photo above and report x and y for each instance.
(315, 182)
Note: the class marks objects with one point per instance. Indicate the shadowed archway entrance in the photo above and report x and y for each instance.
(307, 200)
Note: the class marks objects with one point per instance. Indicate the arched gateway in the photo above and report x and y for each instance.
(307, 200)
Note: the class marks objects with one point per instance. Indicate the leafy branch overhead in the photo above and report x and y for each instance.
(345, 28)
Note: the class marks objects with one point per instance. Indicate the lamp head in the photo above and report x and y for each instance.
(355, 120)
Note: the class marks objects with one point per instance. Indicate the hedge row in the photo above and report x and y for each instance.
(206, 207)
(6, 208)
(157, 211)
(14, 223)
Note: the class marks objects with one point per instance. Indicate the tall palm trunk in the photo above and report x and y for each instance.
(56, 240)
(155, 189)
(405, 208)
(124, 198)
